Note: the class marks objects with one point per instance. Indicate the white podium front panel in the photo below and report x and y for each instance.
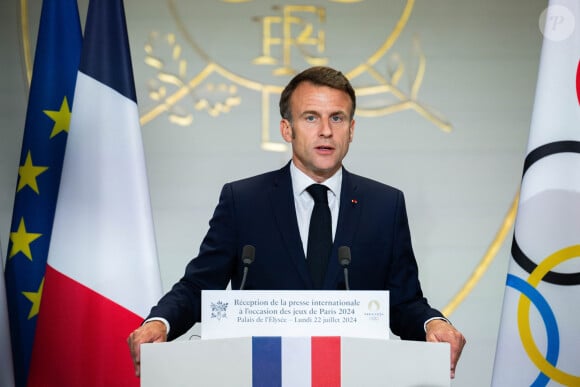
(394, 363)
(229, 362)
(225, 362)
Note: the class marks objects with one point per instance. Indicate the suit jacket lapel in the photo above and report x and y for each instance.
(348, 220)
(282, 200)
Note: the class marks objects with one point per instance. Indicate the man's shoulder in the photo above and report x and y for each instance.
(270, 177)
(366, 183)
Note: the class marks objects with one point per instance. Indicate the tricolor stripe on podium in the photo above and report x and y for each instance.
(296, 361)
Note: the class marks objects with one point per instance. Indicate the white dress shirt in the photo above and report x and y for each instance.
(304, 202)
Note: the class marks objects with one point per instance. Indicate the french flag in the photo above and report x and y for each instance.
(102, 274)
(296, 361)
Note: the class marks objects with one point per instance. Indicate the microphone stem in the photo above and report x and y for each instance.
(346, 278)
(244, 277)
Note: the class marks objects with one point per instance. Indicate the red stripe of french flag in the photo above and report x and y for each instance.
(325, 361)
(81, 339)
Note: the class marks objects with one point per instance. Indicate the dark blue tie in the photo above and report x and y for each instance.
(319, 235)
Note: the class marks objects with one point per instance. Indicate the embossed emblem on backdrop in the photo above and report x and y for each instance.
(226, 54)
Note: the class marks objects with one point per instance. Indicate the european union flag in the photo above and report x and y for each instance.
(50, 101)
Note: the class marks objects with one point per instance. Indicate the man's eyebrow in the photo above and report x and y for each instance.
(316, 113)
(310, 112)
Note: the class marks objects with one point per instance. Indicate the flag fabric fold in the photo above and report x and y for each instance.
(102, 274)
(7, 375)
(56, 62)
(538, 342)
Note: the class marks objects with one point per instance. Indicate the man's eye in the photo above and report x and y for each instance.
(310, 118)
(337, 118)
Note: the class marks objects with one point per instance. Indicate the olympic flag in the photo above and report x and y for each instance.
(538, 342)
(102, 273)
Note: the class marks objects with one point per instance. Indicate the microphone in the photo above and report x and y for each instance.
(344, 260)
(248, 255)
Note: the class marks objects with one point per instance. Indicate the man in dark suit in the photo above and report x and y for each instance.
(273, 211)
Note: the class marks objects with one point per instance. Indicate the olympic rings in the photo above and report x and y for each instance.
(549, 321)
(545, 365)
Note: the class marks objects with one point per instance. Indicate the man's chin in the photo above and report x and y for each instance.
(325, 171)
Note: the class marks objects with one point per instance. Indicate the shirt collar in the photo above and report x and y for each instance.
(301, 181)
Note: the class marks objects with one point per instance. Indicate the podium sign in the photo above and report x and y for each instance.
(244, 313)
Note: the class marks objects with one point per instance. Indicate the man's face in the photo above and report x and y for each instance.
(321, 129)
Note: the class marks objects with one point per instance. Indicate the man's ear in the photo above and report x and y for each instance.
(351, 131)
(286, 130)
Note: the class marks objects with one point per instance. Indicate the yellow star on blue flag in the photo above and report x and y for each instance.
(27, 174)
(60, 117)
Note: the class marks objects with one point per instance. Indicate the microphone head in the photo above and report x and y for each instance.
(248, 254)
(344, 256)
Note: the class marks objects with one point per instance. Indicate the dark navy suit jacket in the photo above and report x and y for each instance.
(260, 211)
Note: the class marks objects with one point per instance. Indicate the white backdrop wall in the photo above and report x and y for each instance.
(480, 63)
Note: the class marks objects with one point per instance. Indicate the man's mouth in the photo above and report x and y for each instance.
(324, 148)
